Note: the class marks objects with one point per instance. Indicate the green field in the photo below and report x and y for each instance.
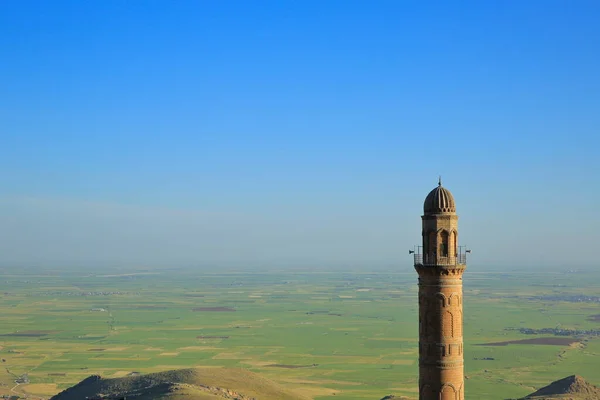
(348, 334)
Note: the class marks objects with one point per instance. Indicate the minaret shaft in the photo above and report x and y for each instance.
(441, 373)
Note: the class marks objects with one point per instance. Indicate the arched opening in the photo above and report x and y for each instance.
(431, 248)
(448, 393)
(444, 242)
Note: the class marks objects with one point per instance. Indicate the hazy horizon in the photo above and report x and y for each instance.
(292, 134)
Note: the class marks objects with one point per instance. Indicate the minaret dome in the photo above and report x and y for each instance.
(439, 201)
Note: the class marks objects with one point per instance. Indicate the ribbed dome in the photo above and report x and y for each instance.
(439, 200)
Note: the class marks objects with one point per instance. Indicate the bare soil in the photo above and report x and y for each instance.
(151, 307)
(323, 313)
(212, 337)
(214, 309)
(551, 341)
(32, 333)
(288, 366)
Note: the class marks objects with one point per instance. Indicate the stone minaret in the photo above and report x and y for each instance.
(440, 266)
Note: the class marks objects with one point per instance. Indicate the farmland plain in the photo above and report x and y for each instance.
(348, 334)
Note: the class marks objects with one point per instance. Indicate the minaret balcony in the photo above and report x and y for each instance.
(433, 260)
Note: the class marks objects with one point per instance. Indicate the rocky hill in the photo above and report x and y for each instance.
(183, 384)
(572, 387)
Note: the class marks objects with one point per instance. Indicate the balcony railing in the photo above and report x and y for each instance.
(426, 259)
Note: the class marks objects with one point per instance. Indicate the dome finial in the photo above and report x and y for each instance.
(440, 181)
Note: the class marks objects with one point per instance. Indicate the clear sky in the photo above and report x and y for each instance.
(296, 133)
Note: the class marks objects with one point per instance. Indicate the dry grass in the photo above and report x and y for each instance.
(40, 389)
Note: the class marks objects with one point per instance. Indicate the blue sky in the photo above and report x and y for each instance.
(296, 133)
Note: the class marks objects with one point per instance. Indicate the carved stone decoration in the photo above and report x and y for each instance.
(447, 324)
(441, 299)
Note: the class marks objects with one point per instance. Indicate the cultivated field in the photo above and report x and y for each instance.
(348, 334)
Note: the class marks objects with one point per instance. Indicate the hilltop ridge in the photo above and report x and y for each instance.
(182, 384)
(572, 387)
